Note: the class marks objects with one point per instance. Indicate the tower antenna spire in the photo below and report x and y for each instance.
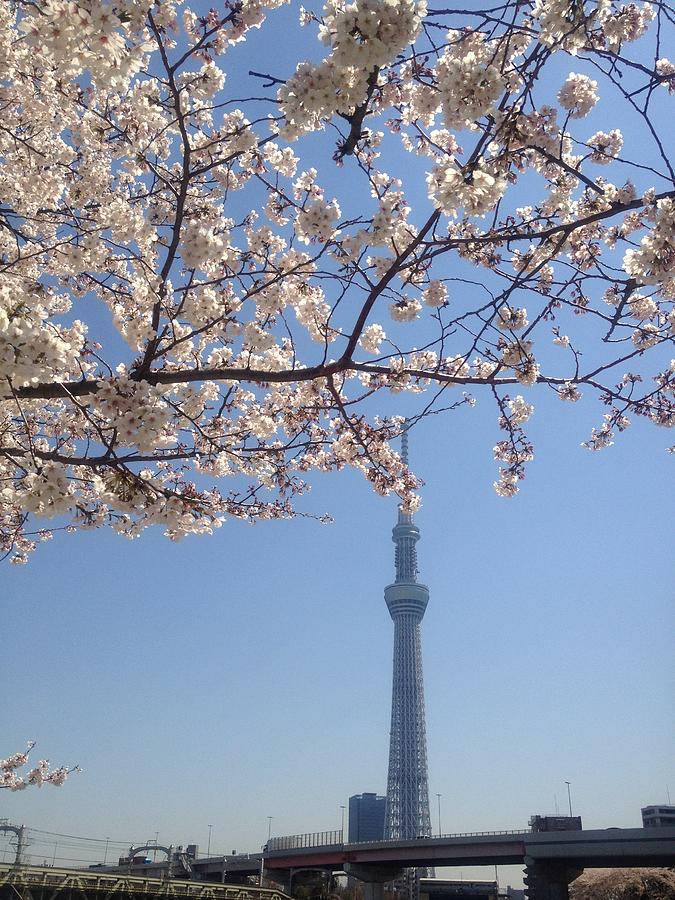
(404, 446)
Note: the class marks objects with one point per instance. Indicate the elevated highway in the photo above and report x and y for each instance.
(590, 848)
(551, 859)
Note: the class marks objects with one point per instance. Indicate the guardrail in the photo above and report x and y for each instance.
(302, 841)
(443, 837)
(335, 839)
(461, 834)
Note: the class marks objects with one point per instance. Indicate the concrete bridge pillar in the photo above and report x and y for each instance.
(373, 878)
(285, 878)
(373, 890)
(282, 877)
(547, 880)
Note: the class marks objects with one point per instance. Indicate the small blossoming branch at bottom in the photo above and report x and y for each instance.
(515, 450)
(40, 774)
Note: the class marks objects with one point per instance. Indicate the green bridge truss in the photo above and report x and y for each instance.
(47, 883)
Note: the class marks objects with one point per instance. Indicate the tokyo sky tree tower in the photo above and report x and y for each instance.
(407, 809)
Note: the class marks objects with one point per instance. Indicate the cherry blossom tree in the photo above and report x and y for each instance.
(211, 277)
(11, 780)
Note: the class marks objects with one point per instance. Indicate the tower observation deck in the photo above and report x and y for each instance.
(407, 807)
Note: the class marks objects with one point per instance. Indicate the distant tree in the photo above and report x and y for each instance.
(183, 301)
(40, 774)
(312, 885)
(624, 884)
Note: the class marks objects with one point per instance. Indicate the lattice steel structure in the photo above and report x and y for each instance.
(407, 809)
(48, 883)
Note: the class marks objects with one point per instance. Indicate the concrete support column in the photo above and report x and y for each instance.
(282, 877)
(373, 878)
(546, 880)
(373, 890)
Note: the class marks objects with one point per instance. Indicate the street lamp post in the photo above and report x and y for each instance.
(439, 814)
(265, 850)
(208, 846)
(569, 797)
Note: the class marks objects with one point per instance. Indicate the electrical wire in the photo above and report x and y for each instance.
(53, 841)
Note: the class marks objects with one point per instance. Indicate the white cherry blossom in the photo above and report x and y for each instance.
(578, 95)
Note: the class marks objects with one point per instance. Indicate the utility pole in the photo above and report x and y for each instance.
(439, 814)
(342, 823)
(20, 844)
(266, 847)
(208, 846)
(105, 855)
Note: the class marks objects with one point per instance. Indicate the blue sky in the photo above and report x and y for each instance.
(227, 679)
(220, 681)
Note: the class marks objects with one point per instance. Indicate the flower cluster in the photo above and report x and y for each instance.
(665, 70)
(316, 222)
(436, 294)
(407, 309)
(606, 146)
(600, 437)
(654, 261)
(566, 25)
(569, 392)
(510, 319)
(32, 347)
(468, 80)
(642, 307)
(205, 245)
(518, 356)
(365, 34)
(629, 23)
(474, 191)
(372, 337)
(645, 336)
(578, 95)
(515, 450)
(136, 411)
(519, 410)
(362, 36)
(95, 37)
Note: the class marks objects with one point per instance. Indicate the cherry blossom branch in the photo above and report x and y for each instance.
(40, 774)
(184, 303)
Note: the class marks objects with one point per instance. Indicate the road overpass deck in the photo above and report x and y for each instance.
(551, 859)
(592, 848)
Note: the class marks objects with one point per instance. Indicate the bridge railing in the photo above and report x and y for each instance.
(444, 837)
(302, 841)
(462, 834)
(335, 838)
